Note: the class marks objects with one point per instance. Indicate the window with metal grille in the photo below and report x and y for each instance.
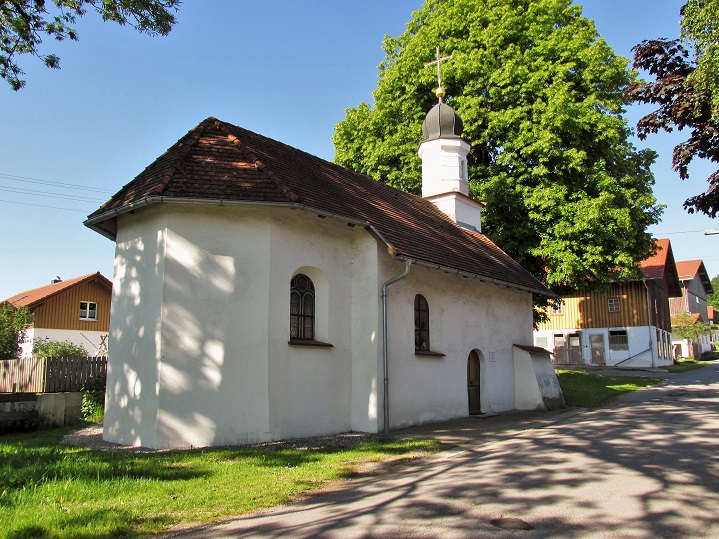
(613, 305)
(88, 310)
(421, 324)
(302, 308)
(618, 340)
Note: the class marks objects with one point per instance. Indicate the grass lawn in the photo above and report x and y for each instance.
(590, 390)
(683, 365)
(48, 490)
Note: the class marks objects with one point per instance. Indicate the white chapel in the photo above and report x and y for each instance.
(261, 293)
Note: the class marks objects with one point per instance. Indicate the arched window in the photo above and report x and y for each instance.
(421, 324)
(302, 308)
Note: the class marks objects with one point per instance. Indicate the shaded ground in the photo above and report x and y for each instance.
(645, 467)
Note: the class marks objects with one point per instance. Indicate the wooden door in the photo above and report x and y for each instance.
(473, 383)
(596, 344)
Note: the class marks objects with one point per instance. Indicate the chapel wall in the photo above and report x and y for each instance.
(465, 315)
(214, 330)
(131, 398)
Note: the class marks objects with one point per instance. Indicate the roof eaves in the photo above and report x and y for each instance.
(542, 292)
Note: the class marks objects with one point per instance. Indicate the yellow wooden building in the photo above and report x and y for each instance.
(75, 310)
(628, 325)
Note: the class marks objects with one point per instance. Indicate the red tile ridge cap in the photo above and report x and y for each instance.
(191, 141)
(242, 147)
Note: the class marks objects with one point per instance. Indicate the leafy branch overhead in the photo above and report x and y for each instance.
(686, 91)
(24, 24)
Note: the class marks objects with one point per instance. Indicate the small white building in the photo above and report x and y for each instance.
(262, 293)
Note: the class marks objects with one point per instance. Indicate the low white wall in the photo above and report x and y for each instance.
(537, 385)
(89, 340)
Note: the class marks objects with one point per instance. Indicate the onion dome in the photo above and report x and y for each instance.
(442, 122)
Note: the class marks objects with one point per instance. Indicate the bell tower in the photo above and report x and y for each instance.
(444, 163)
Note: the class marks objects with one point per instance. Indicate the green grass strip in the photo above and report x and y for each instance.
(54, 491)
(588, 390)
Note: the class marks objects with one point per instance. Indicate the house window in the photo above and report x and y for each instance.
(618, 340)
(302, 308)
(88, 310)
(613, 305)
(421, 324)
(558, 308)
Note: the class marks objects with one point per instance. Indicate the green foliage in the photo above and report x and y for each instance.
(14, 322)
(93, 406)
(49, 348)
(713, 298)
(541, 97)
(709, 356)
(93, 400)
(700, 28)
(591, 390)
(54, 490)
(684, 326)
(24, 23)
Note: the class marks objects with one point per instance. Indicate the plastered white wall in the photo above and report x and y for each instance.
(537, 386)
(213, 370)
(310, 387)
(465, 314)
(131, 398)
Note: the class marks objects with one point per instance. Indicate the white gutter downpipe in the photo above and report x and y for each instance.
(385, 366)
(649, 322)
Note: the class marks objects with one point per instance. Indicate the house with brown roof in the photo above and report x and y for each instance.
(695, 287)
(628, 326)
(75, 310)
(262, 293)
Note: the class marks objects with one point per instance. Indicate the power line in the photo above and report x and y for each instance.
(44, 206)
(53, 183)
(48, 194)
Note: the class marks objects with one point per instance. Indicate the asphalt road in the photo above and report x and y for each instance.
(645, 467)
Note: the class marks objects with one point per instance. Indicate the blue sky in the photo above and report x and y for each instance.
(283, 68)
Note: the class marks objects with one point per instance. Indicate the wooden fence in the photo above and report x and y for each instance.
(51, 375)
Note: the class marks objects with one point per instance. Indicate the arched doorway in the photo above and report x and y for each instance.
(474, 396)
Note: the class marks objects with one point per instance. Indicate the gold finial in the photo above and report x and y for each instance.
(440, 93)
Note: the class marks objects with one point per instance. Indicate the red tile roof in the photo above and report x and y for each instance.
(30, 298)
(219, 163)
(688, 269)
(662, 266)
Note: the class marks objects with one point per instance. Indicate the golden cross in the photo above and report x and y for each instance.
(438, 62)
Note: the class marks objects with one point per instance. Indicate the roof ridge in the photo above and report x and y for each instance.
(54, 288)
(192, 138)
(262, 167)
(199, 129)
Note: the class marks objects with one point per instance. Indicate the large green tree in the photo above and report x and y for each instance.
(14, 322)
(24, 23)
(541, 98)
